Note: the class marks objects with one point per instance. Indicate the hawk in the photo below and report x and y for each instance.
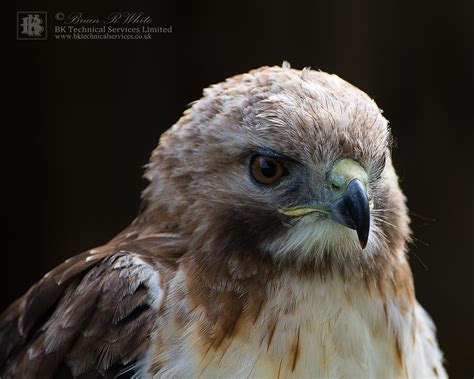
(271, 242)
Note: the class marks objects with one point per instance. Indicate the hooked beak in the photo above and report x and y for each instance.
(347, 181)
(352, 210)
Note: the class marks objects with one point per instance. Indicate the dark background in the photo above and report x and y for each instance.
(88, 113)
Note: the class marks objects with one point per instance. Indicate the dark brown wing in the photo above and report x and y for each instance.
(90, 316)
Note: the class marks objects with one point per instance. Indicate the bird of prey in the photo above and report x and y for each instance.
(271, 243)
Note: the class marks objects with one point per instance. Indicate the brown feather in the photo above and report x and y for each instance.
(87, 314)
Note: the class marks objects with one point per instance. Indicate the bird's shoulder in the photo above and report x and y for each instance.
(91, 314)
(426, 353)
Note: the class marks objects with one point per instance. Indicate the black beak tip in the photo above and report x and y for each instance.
(363, 241)
(356, 209)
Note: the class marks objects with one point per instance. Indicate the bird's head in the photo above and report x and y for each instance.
(287, 164)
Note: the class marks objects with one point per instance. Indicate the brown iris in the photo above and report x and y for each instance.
(266, 170)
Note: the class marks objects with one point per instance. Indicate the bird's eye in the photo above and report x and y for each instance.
(266, 170)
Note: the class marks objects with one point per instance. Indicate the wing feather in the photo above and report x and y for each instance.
(90, 316)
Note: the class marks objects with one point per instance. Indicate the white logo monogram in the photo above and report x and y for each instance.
(32, 25)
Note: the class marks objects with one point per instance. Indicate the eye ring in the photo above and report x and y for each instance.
(266, 170)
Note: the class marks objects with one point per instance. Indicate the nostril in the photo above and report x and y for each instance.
(335, 187)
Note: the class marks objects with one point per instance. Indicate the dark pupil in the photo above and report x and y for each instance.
(267, 167)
